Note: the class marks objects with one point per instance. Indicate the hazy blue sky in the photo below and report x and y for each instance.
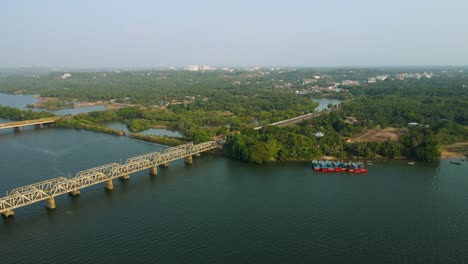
(144, 33)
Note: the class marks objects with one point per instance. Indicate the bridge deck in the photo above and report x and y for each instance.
(291, 120)
(28, 122)
(48, 189)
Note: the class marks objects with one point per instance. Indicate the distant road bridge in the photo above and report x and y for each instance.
(47, 190)
(38, 123)
(293, 120)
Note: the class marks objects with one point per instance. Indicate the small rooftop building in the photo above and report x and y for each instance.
(319, 134)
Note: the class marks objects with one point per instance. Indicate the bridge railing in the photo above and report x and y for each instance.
(47, 189)
(44, 186)
(102, 169)
(29, 122)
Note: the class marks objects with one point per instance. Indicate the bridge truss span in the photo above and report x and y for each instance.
(48, 189)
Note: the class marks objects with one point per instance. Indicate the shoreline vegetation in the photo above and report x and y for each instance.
(456, 150)
(388, 113)
(55, 104)
(69, 123)
(161, 140)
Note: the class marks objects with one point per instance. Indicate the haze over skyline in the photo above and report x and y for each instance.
(146, 33)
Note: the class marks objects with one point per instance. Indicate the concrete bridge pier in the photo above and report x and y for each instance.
(16, 129)
(153, 170)
(188, 160)
(8, 213)
(74, 193)
(50, 203)
(197, 155)
(124, 178)
(108, 185)
(164, 165)
(38, 126)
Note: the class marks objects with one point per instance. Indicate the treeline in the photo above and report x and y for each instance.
(397, 110)
(15, 114)
(81, 124)
(139, 119)
(146, 88)
(275, 143)
(415, 144)
(445, 118)
(53, 104)
(454, 85)
(248, 96)
(203, 105)
(167, 141)
(300, 143)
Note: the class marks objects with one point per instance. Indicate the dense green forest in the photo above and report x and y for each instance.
(202, 105)
(439, 107)
(18, 115)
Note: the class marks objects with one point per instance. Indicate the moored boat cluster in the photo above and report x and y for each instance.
(338, 166)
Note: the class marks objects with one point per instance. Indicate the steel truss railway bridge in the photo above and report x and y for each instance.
(49, 189)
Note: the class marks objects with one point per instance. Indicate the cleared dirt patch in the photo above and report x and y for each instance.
(459, 149)
(378, 135)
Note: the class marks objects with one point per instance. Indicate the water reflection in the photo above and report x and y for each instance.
(79, 110)
(324, 102)
(151, 131)
(17, 100)
(20, 101)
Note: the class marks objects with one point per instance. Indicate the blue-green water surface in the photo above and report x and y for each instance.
(224, 211)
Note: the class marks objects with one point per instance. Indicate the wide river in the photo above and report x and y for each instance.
(223, 211)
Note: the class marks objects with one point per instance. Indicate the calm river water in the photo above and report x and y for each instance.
(20, 101)
(223, 211)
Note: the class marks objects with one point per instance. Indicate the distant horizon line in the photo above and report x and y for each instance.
(219, 67)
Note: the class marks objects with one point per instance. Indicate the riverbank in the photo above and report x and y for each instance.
(455, 150)
(164, 140)
(54, 103)
(70, 123)
(215, 192)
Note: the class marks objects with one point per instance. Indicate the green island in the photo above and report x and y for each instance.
(167, 141)
(52, 104)
(385, 113)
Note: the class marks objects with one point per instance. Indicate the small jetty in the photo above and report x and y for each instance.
(338, 166)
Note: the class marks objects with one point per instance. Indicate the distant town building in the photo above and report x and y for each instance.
(372, 80)
(308, 81)
(302, 92)
(228, 69)
(351, 120)
(382, 77)
(65, 75)
(350, 83)
(193, 68)
(319, 134)
(208, 68)
(400, 76)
